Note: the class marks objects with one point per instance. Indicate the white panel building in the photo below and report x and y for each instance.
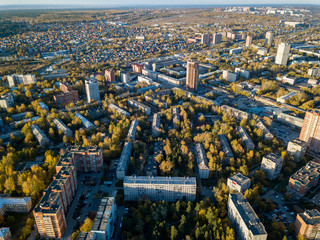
(272, 165)
(92, 90)
(283, 54)
(238, 182)
(61, 126)
(202, 162)
(133, 130)
(124, 160)
(245, 221)
(39, 135)
(168, 189)
(85, 122)
(156, 124)
(139, 105)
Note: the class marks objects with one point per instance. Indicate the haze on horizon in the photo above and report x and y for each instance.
(155, 2)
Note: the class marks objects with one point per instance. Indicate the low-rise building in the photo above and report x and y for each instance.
(272, 165)
(104, 222)
(39, 135)
(267, 135)
(139, 105)
(43, 106)
(297, 148)
(245, 137)
(289, 120)
(119, 110)
(202, 162)
(156, 124)
(314, 72)
(305, 178)
(176, 117)
(289, 80)
(242, 73)
(308, 224)
(238, 182)
(236, 113)
(66, 98)
(151, 164)
(225, 147)
(124, 161)
(168, 189)
(133, 130)
(7, 100)
(286, 97)
(85, 122)
(229, 76)
(15, 204)
(61, 126)
(236, 50)
(245, 221)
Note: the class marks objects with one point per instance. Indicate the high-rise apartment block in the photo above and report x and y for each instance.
(272, 165)
(245, 221)
(310, 131)
(249, 41)
(125, 76)
(305, 178)
(308, 224)
(217, 37)
(269, 38)
(192, 80)
(297, 148)
(159, 188)
(283, 54)
(205, 39)
(202, 162)
(238, 182)
(92, 90)
(16, 79)
(137, 68)
(109, 75)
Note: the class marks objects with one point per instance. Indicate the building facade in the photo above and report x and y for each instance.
(272, 165)
(156, 124)
(297, 148)
(39, 135)
(245, 221)
(66, 98)
(192, 80)
(15, 204)
(310, 132)
(238, 182)
(92, 90)
(159, 188)
(202, 162)
(16, 79)
(269, 38)
(308, 224)
(85, 122)
(139, 105)
(217, 37)
(124, 161)
(109, 75)
(249, 41)
(61, 126)
(283, 53)
(245, 137)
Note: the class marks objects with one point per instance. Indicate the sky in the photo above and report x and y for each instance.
(156, 2)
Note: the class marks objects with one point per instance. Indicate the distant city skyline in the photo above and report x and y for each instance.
(155, 2)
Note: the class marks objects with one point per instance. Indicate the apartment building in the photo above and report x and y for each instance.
(236, 113)
(139, 105)
(104, 222)
(225, 147)
(137, 68)
(283, 53)
(16, 79)
(310, 131)
(118, 109)
(267, 135)
(65, 87)
(241, 72)
(39, 135)
(314, 72)
(229, 76)
(156, 124)
(133, 130)
(245, 137)
(272, 165)
(192, 79)
(66, 98)
(159, 188)
(15, 204)
(7, 100)
(124, 160)
(308, 224)
(87, 159)
(286, 97)
(92, 90)
(176, 117)
(202, 162)
(238, 182)
(297, 148)
(109, 75)
(245, 221)
(217, 37)
(305, 178)
(249, 41)
(269, 38)
(85, 122)
(61, 126)
(151, 164)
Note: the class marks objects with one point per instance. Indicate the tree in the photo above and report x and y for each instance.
(10, 185)
(87, 225)
(166, 166)
(174, 232)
